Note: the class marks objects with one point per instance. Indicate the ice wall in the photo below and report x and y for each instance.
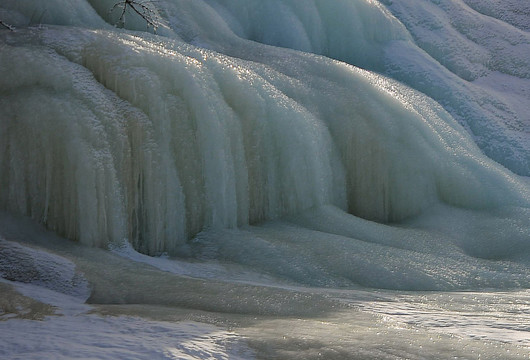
(109, 134)
(172, 158)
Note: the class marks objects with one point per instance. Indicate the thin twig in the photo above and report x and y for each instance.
(7, 26)
(145, 12)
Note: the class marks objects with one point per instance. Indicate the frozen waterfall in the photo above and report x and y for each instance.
(270, 134)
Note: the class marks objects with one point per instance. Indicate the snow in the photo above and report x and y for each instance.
(74, 332)
(30, 266)
(72, 329)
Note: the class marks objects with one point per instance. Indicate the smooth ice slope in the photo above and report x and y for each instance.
(174, 141)
(125, 318)
(461, 56)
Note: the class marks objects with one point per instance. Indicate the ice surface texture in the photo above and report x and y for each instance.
(110, 135)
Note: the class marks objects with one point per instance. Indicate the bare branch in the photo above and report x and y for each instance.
(7, 26)
(139, 7)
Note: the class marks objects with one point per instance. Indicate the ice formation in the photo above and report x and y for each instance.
(298, 179)
(229, 117)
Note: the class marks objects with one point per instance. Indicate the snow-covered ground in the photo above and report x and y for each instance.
(71, 331)
(43, 316)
